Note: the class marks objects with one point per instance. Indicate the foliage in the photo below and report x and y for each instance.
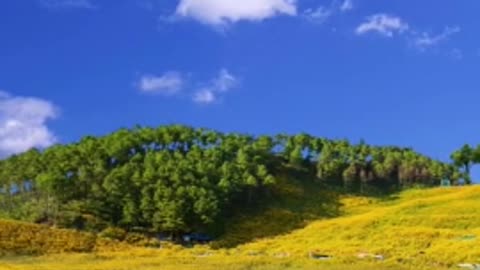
(113, 233)
(178, 179)
(465, 157)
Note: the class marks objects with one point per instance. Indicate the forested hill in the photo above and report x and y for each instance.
(180, 179)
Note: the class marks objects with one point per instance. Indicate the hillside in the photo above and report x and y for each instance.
(178, 179)
(430, 228)
(291, 201)
(416, 229)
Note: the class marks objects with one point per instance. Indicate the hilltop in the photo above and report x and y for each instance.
(177, 179)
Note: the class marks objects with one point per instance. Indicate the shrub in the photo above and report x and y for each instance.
(141, 240)
(20, 238)
(113, 233)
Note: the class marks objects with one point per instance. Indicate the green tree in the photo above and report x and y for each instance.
(464, 157)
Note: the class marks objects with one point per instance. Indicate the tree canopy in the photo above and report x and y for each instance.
(181, 179)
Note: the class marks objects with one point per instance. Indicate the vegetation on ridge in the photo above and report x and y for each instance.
(179, 179)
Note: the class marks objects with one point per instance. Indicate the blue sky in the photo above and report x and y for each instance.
(391, 72)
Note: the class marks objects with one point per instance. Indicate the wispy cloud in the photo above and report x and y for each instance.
(23, 123)
(347, 5)
(318, 15)
(321, 14)
(225, 81)
(219, 86)
(389, 25)
(383, 24)
(426, 40)
(224, 12)
(173, 83)
(169, 83)
(67, 4)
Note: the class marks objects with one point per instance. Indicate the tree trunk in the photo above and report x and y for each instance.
(468, 181)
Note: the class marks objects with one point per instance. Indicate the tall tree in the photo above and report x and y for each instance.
(464, 157)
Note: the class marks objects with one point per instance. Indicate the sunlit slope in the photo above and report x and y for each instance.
(416, 229)
(422, 227)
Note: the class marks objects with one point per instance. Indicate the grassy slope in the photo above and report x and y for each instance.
(418, 229)
(424, 228)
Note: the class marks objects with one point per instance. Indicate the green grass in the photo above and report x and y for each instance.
(416, 229)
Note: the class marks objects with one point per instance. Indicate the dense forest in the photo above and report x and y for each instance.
(180, 179)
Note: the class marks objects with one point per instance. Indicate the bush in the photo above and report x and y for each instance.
(135, 238)
(18, 238)
(84, 222)
(113, 233)
(141, 240)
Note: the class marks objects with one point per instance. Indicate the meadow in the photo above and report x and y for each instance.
(416, 229)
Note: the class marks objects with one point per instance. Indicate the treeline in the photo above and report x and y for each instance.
(180, 179)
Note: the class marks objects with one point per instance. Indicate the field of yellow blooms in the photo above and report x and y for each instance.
(417, 229)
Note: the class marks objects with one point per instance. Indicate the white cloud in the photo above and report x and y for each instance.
(321, 14)
(426, 40)
(318, 15)
(169, 83)
(384, 24)
(223, 12)
(347, 5)
(225, 81)
(220, 85)
(23, 123)
(204, 96)
(173, 83)
(67, 4)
